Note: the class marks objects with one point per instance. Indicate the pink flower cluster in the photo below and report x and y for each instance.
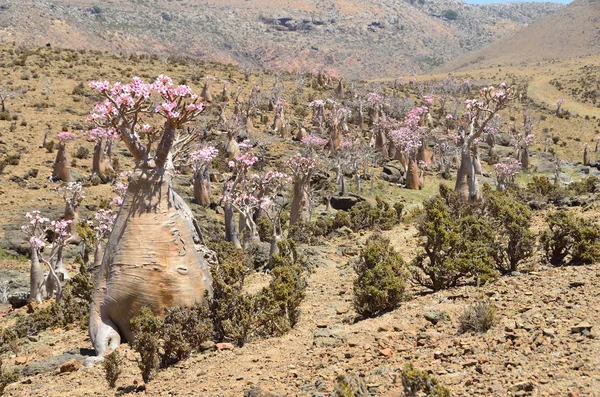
(202, 157)
(374, 98)
(123, 98)
(301, 165)
(60, 229)
(406, 139)
(314, 142)
(245, 145)
(317, 103)
(65, 136)
(100, 133)
(507, 171)
(72, 193)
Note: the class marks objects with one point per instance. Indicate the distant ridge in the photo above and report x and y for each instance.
(352, 38)
(572, 31)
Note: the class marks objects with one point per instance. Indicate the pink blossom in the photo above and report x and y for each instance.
(201, 157)
(314, 142)
(36, 242)
(65, 136)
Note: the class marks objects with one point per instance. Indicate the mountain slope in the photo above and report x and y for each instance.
(351, 37)
(573, 31)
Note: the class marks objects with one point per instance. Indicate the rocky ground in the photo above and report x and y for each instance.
(545, 342)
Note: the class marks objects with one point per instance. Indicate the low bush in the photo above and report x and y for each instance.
(7, 377)
(419, 383)
(146, 329)
(184, 330)
(82, 153)
(570, 236)
(512, 222)
(455, 247)
(350, 385)
(479, 317)
(382, 276)
(112, 368)
(278, 304)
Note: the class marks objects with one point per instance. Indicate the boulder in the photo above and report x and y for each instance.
(393, 172)
(345, 202)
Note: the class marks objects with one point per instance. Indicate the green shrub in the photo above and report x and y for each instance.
(341, 219)
(478, 317)
(146, 329)
(569, 235)
(364, 216)
(264, 227)
(112, 368)
(278, 304)
(7, 377)
(350, 385)
(583, 186)
(184, 330)
(455, 247)
(381, 281)
(512, 220)
(450, 15)
(419, 383)
(232, 309)
(79, 89)
(82, 153)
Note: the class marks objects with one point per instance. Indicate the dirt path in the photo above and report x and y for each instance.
(541, 91)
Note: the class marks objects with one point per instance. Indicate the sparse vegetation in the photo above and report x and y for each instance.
(112, 368)
(571, 237)
(478, 317)
(416, 382)
(382, 277)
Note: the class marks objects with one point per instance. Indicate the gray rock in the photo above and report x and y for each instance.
(52, 363)
(345, 202)
(435, 317)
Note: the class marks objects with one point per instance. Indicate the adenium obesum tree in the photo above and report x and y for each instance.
(506, 172)
(101, 161)
(153, 256)
(36, 230)
(62, 168)
(200, 160)
(72, 194)
(479, 112)
(249, 193)
(301, 170)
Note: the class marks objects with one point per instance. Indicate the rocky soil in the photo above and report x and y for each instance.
(545, 342)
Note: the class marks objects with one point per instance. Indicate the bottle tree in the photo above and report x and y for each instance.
(153, 256)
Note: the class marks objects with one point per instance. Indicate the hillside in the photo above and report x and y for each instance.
(351, 38)
(573, 31)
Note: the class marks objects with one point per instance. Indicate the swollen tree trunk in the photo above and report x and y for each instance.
(476, 160)
(101, 161)
(206, 94)
(412, 175)
(301, 134)
(586, 156)
(62, 168)
(36, 278)
(335, 137)
(466, 179)
(300, 211)
(525, 158)
(72, 214)
(152, 258)
(381, 141)
(232, 148)
(202, 187)
(231, 233)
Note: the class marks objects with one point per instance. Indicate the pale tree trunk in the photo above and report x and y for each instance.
(301, 134)
(202, 187)
(335, 137)
(153, 258)
(231, 233)
(101, 161)
(466, 180)
(36, 278)
(300, 202)
(493, 155)
(62, 168)
(206, 94)
(525, 158)
(586, 156)
(232, 148)
(72, 214)
(412, 175)
(381, 141)
(357, 178)
(476, 160)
